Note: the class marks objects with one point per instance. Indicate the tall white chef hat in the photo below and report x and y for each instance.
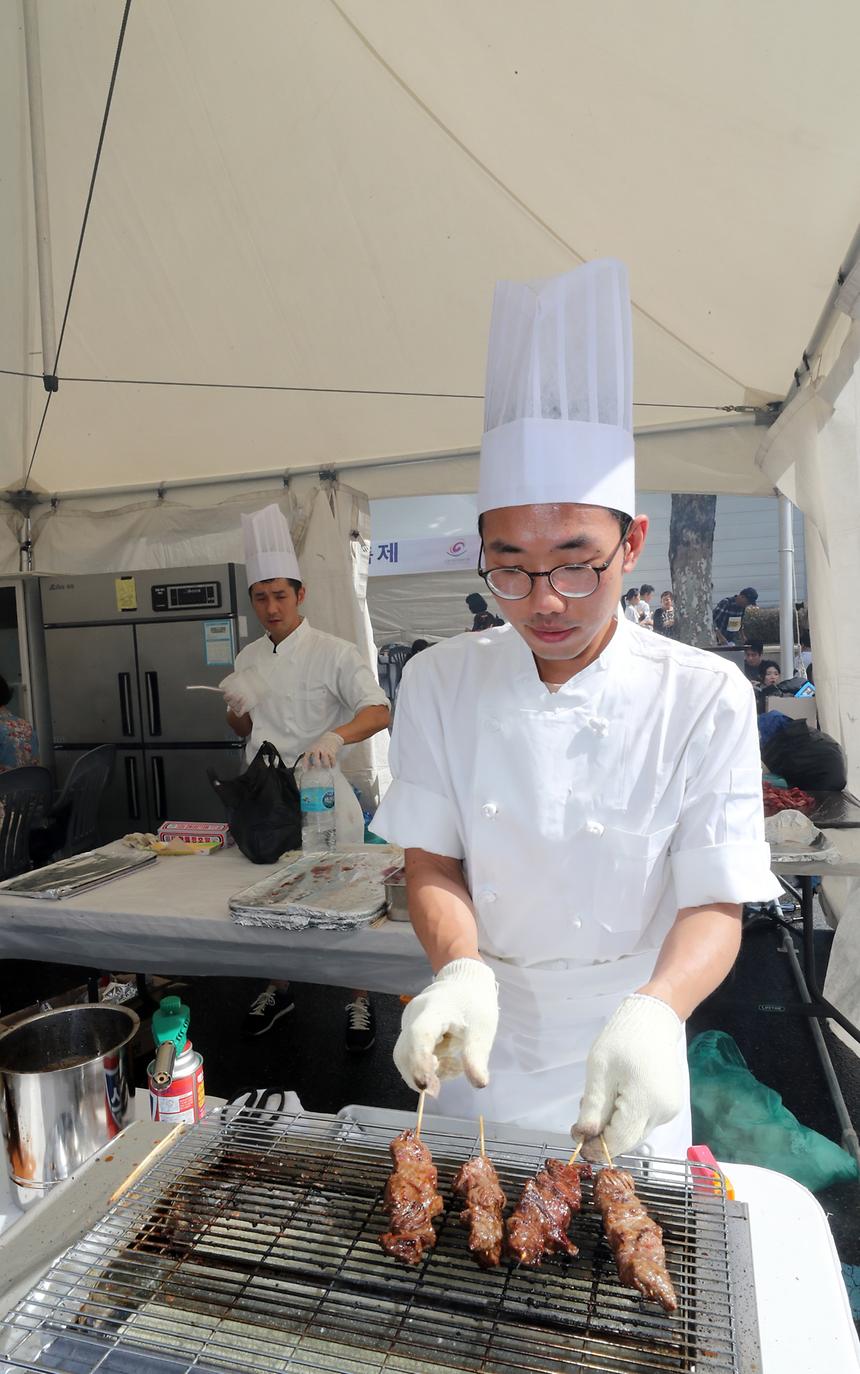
(269, 549)
(558, 413)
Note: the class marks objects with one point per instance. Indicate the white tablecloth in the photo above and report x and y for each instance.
(171, 917)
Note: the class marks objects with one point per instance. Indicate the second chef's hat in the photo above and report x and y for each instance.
(269, 548)
(558, 411)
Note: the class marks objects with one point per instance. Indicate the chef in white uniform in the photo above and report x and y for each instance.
(308, 693)
(580, 801)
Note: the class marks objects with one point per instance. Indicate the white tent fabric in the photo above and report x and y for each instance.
(320, 195)
(813, 455)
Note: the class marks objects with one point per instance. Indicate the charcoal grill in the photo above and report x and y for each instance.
(251, 1246)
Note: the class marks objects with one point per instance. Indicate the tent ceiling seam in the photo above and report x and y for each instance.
(512, 195)
(337, 471)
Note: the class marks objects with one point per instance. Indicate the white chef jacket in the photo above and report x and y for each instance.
(317, 682)
(585, 818)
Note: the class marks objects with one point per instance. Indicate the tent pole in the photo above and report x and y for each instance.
(40, 192)
(786, 586)
(825, 320)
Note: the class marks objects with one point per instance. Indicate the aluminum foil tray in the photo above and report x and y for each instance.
(336, 891)
(68, 877)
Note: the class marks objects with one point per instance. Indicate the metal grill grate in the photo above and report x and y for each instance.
(251, 1245)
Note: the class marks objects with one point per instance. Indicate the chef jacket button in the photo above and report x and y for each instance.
(488, 895)
(594, 828)
(576, 923)
(489, 809)
(493, 725)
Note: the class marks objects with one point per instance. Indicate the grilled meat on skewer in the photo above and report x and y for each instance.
(538, 1224)
(411, 1199)
(478, 1183)
(635, 1239)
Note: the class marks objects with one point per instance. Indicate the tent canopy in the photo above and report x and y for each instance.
(320, 195)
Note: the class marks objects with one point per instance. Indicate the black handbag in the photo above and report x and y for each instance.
(263, 806)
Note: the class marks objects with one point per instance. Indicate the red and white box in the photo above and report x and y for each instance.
(197, 832)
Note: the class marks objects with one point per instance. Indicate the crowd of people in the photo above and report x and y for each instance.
(637, 608)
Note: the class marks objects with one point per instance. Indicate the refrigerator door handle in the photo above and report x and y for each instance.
(125, 707)
(158, 791)
(153, 702)
(131, 787)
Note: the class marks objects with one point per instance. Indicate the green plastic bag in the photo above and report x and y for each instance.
(744, 1121)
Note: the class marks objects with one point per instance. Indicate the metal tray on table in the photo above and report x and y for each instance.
(68, 877)
(329, 891)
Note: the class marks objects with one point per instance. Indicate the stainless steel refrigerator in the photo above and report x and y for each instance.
(22, 655)
(120, 652)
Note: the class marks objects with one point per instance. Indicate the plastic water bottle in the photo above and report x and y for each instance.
(319, 829)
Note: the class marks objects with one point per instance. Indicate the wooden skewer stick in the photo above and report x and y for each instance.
(420, 1115)
(481, 1129)
(575, 1155)
(606, 1152)
(153, 1155)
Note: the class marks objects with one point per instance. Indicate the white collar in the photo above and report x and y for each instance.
(289, 644)
(610, 657)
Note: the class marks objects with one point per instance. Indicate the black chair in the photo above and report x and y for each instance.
(25, 799)
(392, 660)
(76, 810)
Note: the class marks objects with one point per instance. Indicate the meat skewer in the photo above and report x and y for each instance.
(538, 1224)
(477, 1183)
(411, 1197)
(635, 1238)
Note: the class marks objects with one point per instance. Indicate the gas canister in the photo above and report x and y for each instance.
(176, 1090)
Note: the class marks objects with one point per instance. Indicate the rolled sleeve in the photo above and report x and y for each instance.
(718, 852)
(724, 873)
(357, 686)
(414, 818)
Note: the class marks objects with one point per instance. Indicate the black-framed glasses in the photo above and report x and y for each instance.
(570, 580)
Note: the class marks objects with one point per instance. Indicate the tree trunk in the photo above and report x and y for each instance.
(691, 549)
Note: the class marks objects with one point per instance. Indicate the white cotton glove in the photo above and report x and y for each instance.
(244, 689)
(633, 1076)
(449, 1028)
(323, 753)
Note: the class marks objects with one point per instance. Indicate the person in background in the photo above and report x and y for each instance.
(770, 675)
(729, 616)
(631, 605)
(806, 653)
(646, 591)
(309, 694)
(19, 746)
(418, 647)
(664, 617)
(753, 654)
(483, 616)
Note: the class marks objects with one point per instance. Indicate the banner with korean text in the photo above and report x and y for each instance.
(424, 555)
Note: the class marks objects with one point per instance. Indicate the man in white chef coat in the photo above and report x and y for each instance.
(580, 803)
(309, 694)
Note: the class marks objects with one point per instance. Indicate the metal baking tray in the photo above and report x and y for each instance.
(330, 891)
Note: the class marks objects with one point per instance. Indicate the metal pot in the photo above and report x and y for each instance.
(395, 894)
(66, 1083)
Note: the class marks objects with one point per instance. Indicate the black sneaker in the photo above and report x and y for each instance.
(267, 1008)
(360, 1025)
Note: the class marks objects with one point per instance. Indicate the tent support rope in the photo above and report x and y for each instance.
(51, 382)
